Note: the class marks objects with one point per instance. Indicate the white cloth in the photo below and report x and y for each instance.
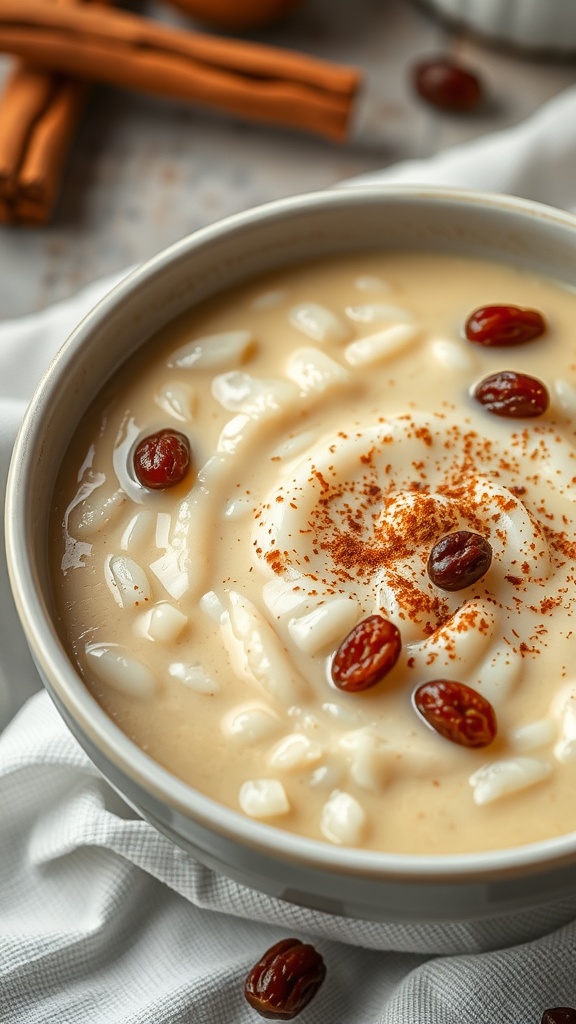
(104, 921)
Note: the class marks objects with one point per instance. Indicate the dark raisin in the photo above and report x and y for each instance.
(496, 326)
(367, 654)
(459, 559)
(457, 712)
(447, 85)
(511, 394)
(285, 979)
(162, 460)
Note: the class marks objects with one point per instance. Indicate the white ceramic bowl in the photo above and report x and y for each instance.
(351, 882)
(541, 26)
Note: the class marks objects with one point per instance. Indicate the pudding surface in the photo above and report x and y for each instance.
(334, 439)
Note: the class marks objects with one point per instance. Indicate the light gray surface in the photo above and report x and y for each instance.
(144, 171)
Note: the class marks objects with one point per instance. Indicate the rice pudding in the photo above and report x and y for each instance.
(339, 431)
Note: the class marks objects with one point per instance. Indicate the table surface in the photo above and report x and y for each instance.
(144, 171)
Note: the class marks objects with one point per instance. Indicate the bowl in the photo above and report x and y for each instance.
(355, 883)
(521, 24)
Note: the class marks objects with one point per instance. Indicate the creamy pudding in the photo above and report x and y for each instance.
(277, 626)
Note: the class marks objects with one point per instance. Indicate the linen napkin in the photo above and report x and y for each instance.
(104, 921)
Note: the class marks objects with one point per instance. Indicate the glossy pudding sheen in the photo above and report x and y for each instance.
(335, 438)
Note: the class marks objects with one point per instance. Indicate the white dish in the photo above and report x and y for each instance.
(537, 25)
(346, 881)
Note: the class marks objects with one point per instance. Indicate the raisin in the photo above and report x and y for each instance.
(494, 326)
(457, 712)
(285, 979)
(459, 559)
(367, 654)
(447, 85)
(162, 460)
(559, 1015)
(511, 394)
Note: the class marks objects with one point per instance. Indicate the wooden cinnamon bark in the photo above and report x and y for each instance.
(38, 116)
(39, 112)
(242, 78)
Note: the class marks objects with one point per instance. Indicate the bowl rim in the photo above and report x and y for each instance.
(73, 699)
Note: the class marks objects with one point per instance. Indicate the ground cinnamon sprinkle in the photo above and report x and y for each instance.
(431, 612)
(323, 483)
(276, 561)
(561, 542)
(382, 520)
(469, 617)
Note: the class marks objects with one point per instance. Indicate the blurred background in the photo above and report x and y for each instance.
(143, 171)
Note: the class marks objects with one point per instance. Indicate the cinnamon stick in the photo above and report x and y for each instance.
(38, 115)
(243, 78)
(39, 111)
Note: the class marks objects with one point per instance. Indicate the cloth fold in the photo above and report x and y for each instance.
(102, 919)
(535, 160)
